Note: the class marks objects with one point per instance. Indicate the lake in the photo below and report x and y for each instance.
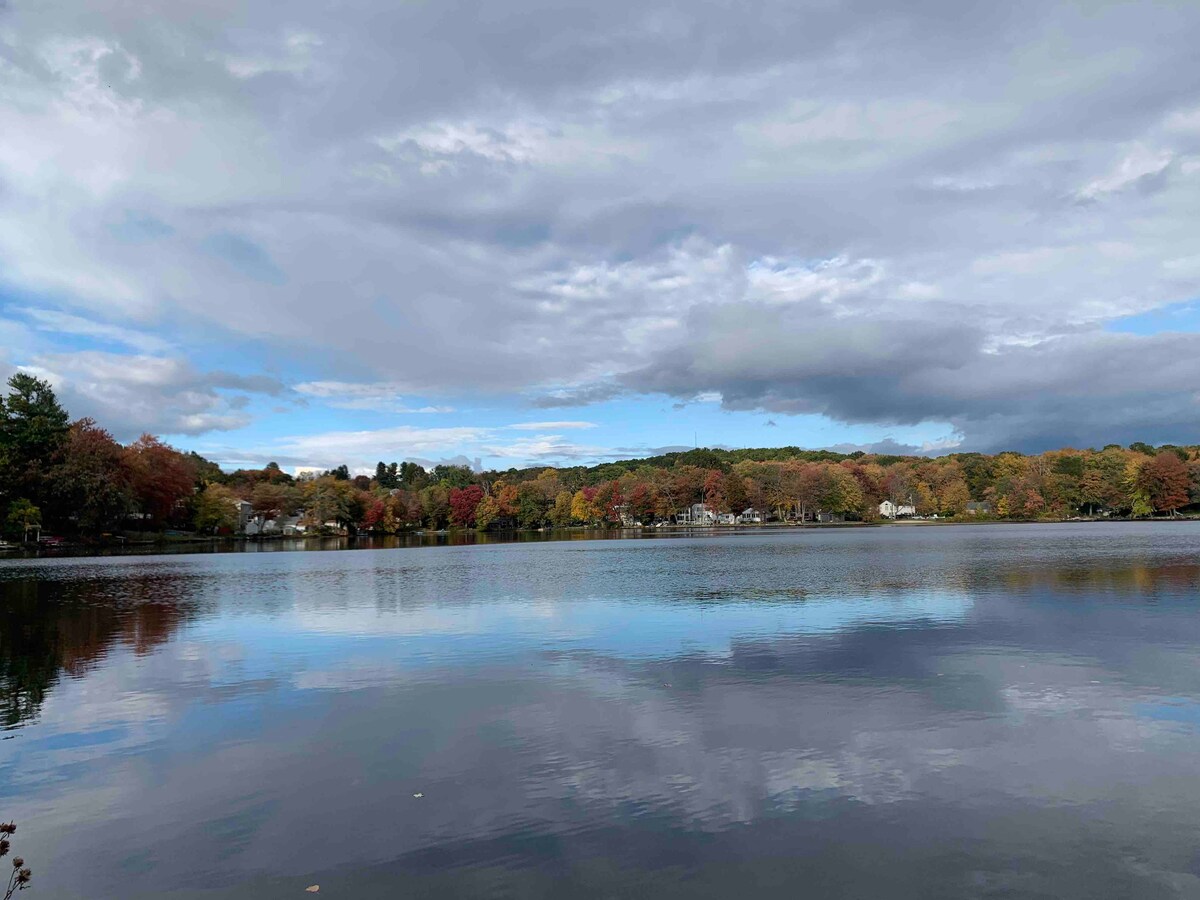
(920, 712)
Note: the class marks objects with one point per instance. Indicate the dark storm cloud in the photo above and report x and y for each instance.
(885, 213)
(1075, 389)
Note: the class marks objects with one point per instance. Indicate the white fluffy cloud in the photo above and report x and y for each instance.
(551, 426)
(361, 450)
(381, 395)
(861, 196)
(133, 394)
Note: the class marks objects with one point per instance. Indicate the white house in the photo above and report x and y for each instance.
(750, 516)
(696, 514)
(291, 524)
(890, 510)
(244, 513)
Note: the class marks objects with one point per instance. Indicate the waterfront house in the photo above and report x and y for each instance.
(627, 518)
(978, 508)
(291, 525)
(750, 516)
(890, 510)
(244, 513)
(696, 514)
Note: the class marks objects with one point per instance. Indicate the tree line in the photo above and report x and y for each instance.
(74, 477)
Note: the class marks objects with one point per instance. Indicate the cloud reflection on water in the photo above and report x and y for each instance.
(568, 709)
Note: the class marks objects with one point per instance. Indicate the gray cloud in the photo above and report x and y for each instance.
(1079, 388)
(886, 447)
(885, 213)
(576, 396)
(134, 394)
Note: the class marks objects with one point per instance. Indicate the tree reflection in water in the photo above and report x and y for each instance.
(51, 627)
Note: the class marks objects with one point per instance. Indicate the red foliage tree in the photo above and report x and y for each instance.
(641, 503)
(506, 499)
(161, 476)
(374, 515)
(463, 503)
(92, 482)
(1166, 479)
(607, 498)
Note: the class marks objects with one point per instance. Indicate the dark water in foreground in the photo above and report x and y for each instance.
(995, 711)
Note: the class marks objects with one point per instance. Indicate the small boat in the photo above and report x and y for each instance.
(5, 545)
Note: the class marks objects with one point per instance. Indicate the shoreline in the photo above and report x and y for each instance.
(469, 536)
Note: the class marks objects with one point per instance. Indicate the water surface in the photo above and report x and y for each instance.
(984, 711)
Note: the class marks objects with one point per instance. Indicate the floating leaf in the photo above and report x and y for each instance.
(313, 888)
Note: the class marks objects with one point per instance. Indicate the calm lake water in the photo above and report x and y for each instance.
(976, 711)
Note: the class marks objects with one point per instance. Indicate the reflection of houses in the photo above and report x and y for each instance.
(696, 514)
(750, 516)
(978, 508)
(890, 510)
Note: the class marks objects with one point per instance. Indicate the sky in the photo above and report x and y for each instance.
(525, 232)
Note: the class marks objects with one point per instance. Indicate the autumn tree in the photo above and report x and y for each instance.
(327, 500)
(23, 517)
(487, 513)
(665, 490)
(838, 491)
(1102, 483)
(269, 500)
(583, 507)
(641, 502)
(548, 485)
(1136, 487)
(216, 510)
(435, 505)
(463, 502)
(1165, 480)
(689, 484)
(162, 478)
(713, 494)
(507, 500)
(803, 486)
(733, 488)
(560, 512)
(607, 501)
(953, 497)
(92, 481)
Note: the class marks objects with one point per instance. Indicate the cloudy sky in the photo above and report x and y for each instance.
(539, 231)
